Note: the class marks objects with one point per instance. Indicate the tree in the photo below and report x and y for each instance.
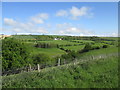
(14, 54)
(41, 59)
(105, 46)
(87, 47)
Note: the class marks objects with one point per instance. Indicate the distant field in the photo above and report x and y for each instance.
(75, 48)
(83, 41)
(110, 38)
(24, 37)
(52, 52)
(103, 51)
(60, 42)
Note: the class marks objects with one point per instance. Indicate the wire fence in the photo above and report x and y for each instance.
(39, 68)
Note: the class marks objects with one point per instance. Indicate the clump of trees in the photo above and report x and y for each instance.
(14, 54)
(66, 58)
(105, 46)
(87, 47)
(46, 45)
(41, 59)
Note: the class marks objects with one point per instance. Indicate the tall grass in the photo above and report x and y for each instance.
(101, 73)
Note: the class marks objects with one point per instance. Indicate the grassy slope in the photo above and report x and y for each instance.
(101, 73)
(52, 52)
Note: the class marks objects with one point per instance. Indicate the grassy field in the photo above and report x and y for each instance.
(52, 52)
(103, 51)
(60, 42)
(83, 41)
(90, 74)
(97, 68)
(75, 48)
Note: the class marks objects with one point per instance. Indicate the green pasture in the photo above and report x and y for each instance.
(52, 52)
(83, 41)
(24, 37)
(74, 48)
(59, 42)
(102, 51)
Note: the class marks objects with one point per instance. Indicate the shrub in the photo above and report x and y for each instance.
(87, 47)
(14, 54)
(41, 59)
(46, 45)
(105, 46)
(96, 47)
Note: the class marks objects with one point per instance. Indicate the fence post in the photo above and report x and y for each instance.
(59, 62)
(92, 57)
(75, 61)
(38, 66)
(29, 67)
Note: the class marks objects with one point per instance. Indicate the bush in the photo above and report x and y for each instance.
(105, 46)
(46, 45)
(14, 54)
(96, 47)
(41, 59)
(87, 47)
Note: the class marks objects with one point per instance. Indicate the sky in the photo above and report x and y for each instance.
(60, 18)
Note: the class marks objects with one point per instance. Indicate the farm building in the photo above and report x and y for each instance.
(57, 39)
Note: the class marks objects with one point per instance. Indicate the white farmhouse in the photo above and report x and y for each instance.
(57, 39)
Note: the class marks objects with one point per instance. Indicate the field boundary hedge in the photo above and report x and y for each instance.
(75, 61)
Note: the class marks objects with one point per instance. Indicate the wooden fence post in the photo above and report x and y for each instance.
(92, 57)
(38, 66)
(59, 62)
(75, 61)
(30, 67)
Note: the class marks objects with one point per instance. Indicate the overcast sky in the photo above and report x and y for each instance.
(62, 18)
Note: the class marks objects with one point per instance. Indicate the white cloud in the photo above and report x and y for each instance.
(41, 30)
(26, 27)
(75, 13)
(37, 21)
(69, 29)
(19, 27)
(74, 30)
(114, 34)
(64, 25)
(62, 13)
(43, 15)
(9, 21)
(78, 12)
(39, 18)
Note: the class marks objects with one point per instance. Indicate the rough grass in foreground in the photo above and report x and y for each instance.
(100, 73)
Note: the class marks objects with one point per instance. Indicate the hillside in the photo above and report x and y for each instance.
(98, 72)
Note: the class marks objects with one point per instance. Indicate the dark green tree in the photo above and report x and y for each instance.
(87, 47)
(14, 54)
